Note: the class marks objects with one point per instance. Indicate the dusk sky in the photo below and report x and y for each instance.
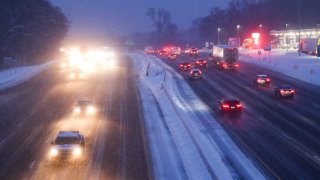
(126, 16)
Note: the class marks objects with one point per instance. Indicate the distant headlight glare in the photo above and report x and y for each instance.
(53, 152)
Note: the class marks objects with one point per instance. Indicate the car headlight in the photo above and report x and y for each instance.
(77, 110)
(53, 152)
(81, 75)
(72, 76)
(63, 65)
(91, 110)
(77, 151)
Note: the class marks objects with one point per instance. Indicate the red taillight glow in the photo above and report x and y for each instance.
(225, 106)
(292, 91)
(189, 65)
(237, 65)
(239, 105)
(268, 79)
(181, 65)
(224, 65)
(281, 91)
(204, 61)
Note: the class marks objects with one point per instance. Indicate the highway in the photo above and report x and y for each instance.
(281, 136)
(32, 114)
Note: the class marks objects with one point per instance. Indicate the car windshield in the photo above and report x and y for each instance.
(286, 87)
(84, 103)
(67, 140)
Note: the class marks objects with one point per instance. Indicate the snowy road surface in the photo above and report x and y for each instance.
(185, 140)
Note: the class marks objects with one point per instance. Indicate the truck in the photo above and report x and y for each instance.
(309, 45)
(176, 51)
(234, 42)
(224, 57)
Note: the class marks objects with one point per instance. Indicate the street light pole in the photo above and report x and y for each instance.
(299, 50)
(286, 34)
(238, 27)
(12, 29)
(219, 29)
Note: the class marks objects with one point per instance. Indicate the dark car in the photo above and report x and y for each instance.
(163, 53)
(85, 107)
(284, 91)
(195, 74)
(75, 74)
(185, 66)
(231, 105)
(261, 80)
(172, 56)
(194, 52)
(201, 63)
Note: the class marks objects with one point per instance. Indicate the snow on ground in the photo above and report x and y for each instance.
(185, 140)
(304, 67)
(14, 76)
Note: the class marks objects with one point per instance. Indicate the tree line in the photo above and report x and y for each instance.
(31, 30)
(256, 15)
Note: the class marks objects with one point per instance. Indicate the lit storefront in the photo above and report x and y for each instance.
(290, 38)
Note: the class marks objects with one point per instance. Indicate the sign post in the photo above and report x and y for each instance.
(267, 47)
(318, 51)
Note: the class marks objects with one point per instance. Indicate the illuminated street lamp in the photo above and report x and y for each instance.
(219, 29)
(238, 27)
(286, 34)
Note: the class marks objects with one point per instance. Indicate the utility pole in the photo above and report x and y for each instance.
(219, 29)
(299, 50)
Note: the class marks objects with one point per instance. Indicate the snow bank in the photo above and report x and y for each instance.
(177, 127)
(304, 67)
(14, 76)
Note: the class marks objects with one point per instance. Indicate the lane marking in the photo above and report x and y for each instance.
(286, 136)
(32, 164)
(316, 158)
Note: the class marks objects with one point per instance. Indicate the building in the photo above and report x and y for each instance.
(290, 38)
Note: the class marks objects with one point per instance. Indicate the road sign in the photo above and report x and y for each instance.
(267, 47)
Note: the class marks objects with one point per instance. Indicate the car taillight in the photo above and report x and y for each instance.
(189, 65)
(239, 105)
(225, 106)
(236, 65)
(200, 72)
(268, 79)
(281, 91)
(181, 65)
(292, 91)
(224, 65)
(204, 61)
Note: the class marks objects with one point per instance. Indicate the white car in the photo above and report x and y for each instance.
(67, 145)
(195, 74)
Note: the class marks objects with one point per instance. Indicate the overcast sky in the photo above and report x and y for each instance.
(125, 16)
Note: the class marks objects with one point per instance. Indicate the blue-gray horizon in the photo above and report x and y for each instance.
(100, 17)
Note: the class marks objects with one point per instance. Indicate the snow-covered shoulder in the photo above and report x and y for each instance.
(185, 140)
(288, 62)
(14, 76)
